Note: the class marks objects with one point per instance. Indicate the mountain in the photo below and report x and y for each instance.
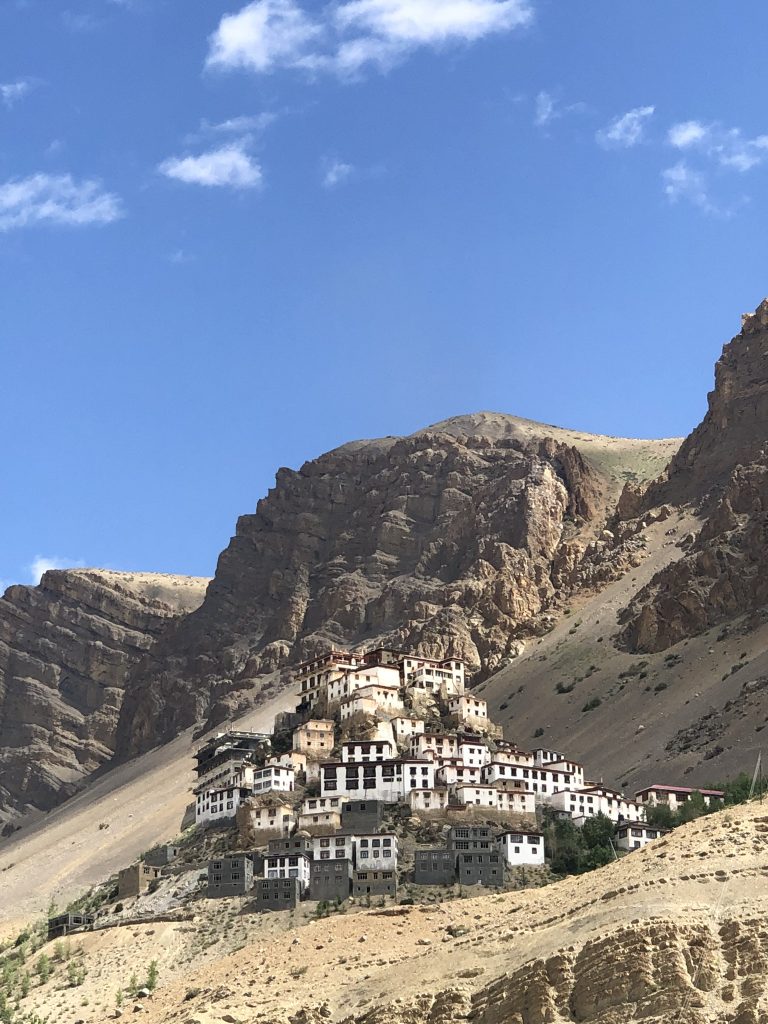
(66, 648)
(455, 541)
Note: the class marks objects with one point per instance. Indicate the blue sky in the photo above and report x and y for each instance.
(233, 236)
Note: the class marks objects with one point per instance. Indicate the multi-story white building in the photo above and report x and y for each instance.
(443, 677)
(366, 751)
(473, 753)
(437, 746)
(456, 773)
(320, 821)
(388, 781)
(468, 708)
(506, 800)
(522, 848)
(219, 804)
(587, 802)
(290, 759)
(371, 699)
(674, 796)
(428, 799)
(405, 727)
(542, 756)
(376, 851)
(318, 804)
(313, 677)
(509, 753)
(274, 778)
(636, 835)
(333, 847)
(273, 819)
(288, 865)
(544, 782)
(371, 679)
(315, 737)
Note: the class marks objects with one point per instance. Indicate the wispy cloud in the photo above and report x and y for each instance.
(727, 147)
(241, 125)
(229, 166)
(12, 92)
(344, 38)
(42, 563)
(56, 199)
(546, 109)
(682, 182)
(336, 173)
(626, 130)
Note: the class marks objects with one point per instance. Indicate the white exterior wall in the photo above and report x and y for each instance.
(291, 759)
(388, 781)
(542, 756)
(405, 728)
(376, 851)
(428, 799)
(588, 803)
(315, 804)
(273, 779)
(288, 865)
(522, 848)
(379, 677)
(542, 781)
(365, 751)
(437, 746)
(474, 754)
(332, 847)
(456, 774)
(466, 706)
(636, 836)
(218, 804)
(671, 798)
(357, 704)
(512, 800)
(329, 820)
(280, 818)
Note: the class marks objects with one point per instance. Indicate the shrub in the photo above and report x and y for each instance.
(592, 703)
(539, 732)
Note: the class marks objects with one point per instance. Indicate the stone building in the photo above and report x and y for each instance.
(376, 851)
(361, 815)
(276, 894)
(136, 879)
(161, 856)
(481, 868)
(435, 866)
(315, 737)
(374, 883)
(230, 876)
(330, 880)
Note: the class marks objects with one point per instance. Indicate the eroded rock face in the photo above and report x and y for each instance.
(66, 648)
(724, 573)
(733, 432)
(442, 544)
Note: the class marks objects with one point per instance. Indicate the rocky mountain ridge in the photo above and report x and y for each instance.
(66, 649)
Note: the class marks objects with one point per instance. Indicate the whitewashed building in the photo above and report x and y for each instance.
(473, 753)
(544, 782)
(456, 773)
(674, 796)
(376, 851)
(215, 805)
(388, 781)
(588, 802)
(372, 679)
(468, 708)
(428, 799)
(405, 727)
(521, 849)
(288, 865)
(366, 751)
(636, 835)
(506, 800)
(445, 677)
(333, 847)
(435, 745)
(274, 778)
(273, 819)
(313, 676)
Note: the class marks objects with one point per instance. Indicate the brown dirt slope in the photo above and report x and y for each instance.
(673, 934)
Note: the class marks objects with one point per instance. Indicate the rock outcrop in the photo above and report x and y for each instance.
(445, 544)
(722, 467)
(66, 649)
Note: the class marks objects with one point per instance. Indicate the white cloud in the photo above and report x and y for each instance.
(682, 182)
(42, 563)
(12, 92)
(229, 166)
(241, 125)
(56, 199)
(268, 34)
(544, 109)
(627, 130)
(725, 146)
(336, 173)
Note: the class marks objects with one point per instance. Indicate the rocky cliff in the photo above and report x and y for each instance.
(66, 649)
(450, 542)
(722, 467)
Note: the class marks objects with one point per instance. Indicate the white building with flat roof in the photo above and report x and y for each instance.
(274, 778)
(388, 781)
(288, 865)
(366, 751)
(436, 746)
(333, 847)
(521, 849)
(215, 805)
(506, 800)
(674, 796)
(372, 680)
(468, 707)
(376, 851)
(635, 835)
(315, 737)
(428, 799)
(405, 728)
(474, 753)
(588, 802)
